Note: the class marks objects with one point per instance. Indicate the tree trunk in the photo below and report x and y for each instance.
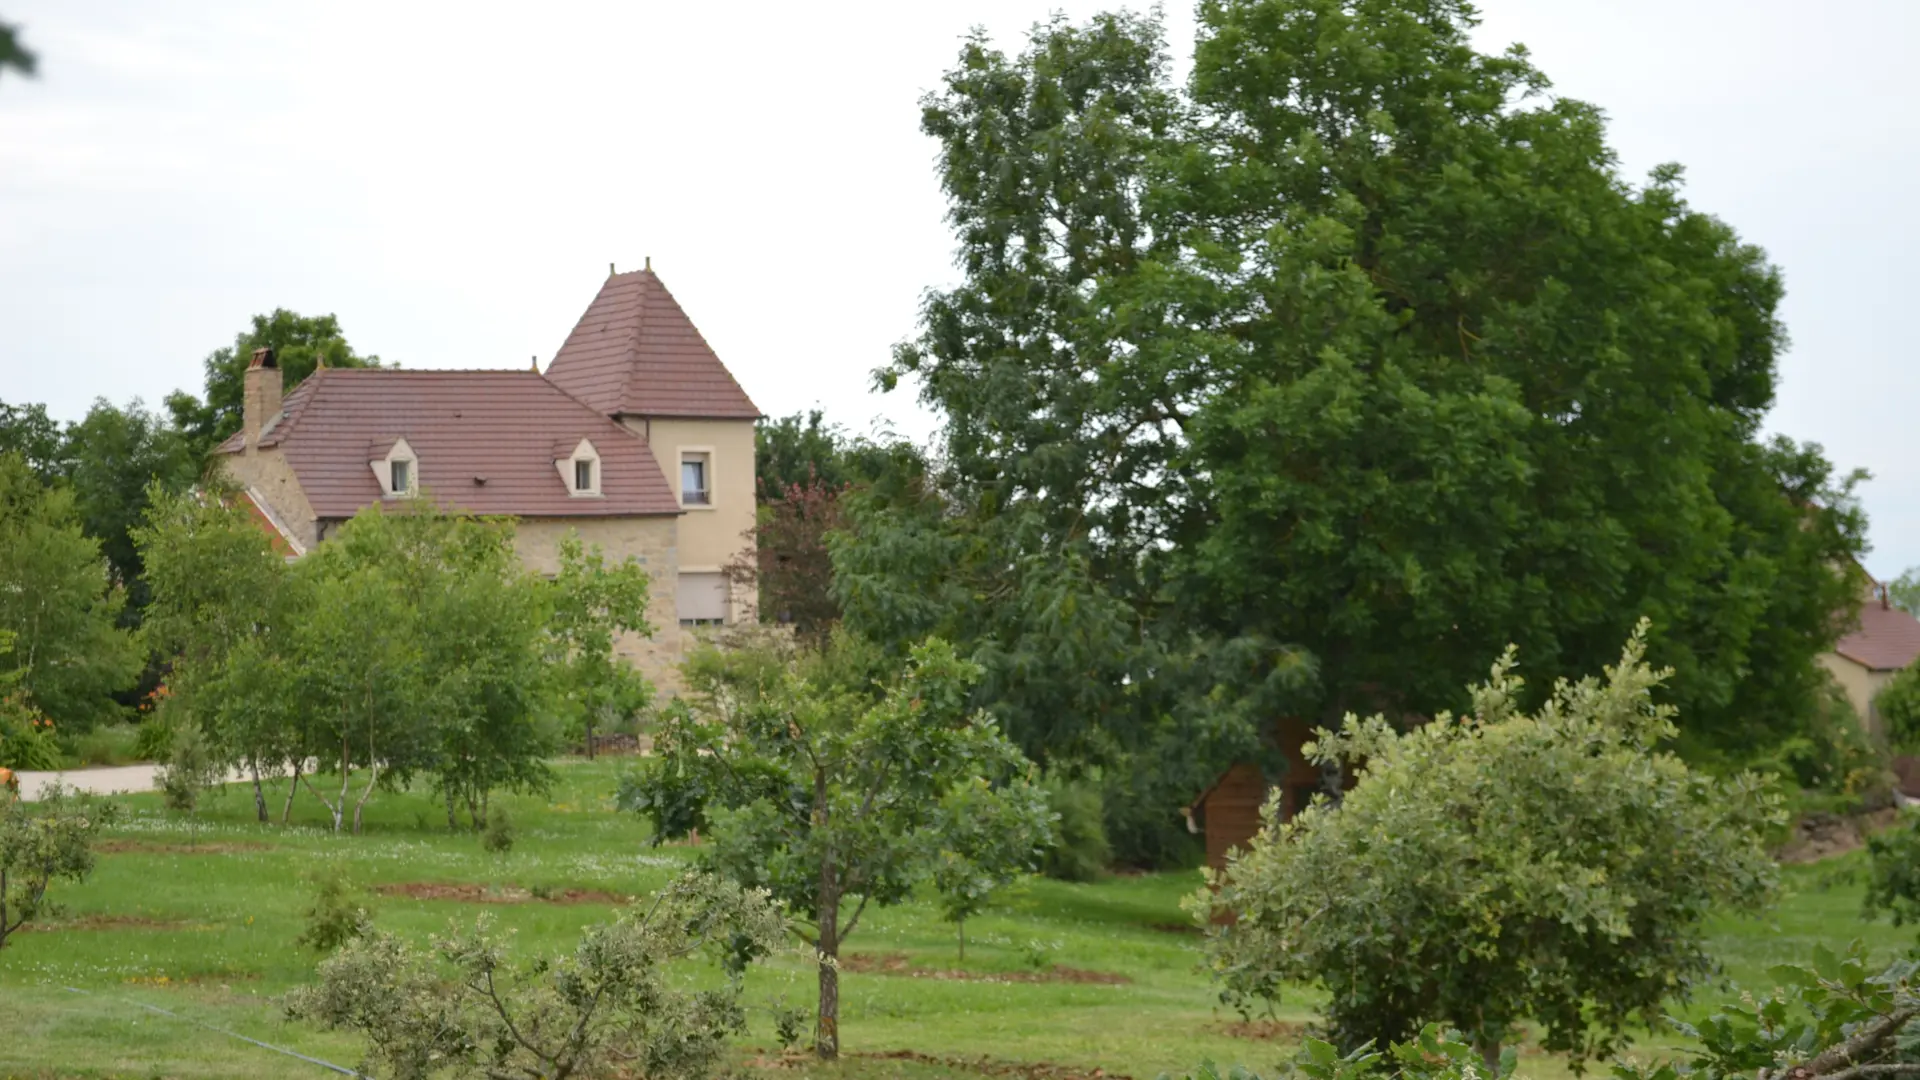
(826, 1031)
(1489, 1054)
(259, 795)
(589, 723)
(373, 777)
(453, 820)
(961, 925)
(293, 788)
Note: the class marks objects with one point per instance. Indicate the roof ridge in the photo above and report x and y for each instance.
(647, 281)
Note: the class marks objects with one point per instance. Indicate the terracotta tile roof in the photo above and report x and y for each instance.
(463, 426)
(636, 353)
(1884, 639)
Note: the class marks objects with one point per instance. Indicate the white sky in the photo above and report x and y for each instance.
(452, 180)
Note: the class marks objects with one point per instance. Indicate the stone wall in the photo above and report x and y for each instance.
(651, 540)
(267, 472)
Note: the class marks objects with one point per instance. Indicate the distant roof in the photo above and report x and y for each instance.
(635, 353)
(1885, 638)
(484, 441)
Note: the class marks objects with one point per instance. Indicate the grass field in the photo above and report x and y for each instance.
(200, 921)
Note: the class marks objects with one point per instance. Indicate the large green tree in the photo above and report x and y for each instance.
(13, 54)
(59, 603)
(117, 459)
(1358, 343)
(300, 343)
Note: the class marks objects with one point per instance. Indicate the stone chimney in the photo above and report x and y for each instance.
(261, 400)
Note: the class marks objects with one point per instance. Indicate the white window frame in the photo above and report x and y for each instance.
(707, 458)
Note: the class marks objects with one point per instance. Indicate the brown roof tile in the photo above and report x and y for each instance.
(1884, 639)
(500, 425)
(635, 353)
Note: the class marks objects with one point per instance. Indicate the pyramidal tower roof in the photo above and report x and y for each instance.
(635, 353)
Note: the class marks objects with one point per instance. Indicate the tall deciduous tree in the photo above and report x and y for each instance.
(300, 344)
(118, 460)
(27, 430)
(831, 799)
(1361, 344)
(1557, 866)
(221, 603)
(59, 602)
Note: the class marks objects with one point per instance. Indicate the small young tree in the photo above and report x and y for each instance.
(831, 797)
(41, 843)
(1499, 866)
(987, 838)
(592, 605)
(190, 772)
(459, 1009)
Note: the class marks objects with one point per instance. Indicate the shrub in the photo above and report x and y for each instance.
(1433, 1054)
(1898, 704)
(497, 837)
(1080, 851)
(152, 740)
(1498, 866)
(1893, 872)
(614, 1003)
(41, 843)
(1839, 1018)
(190, 770)
(336, 915)
(26, 737)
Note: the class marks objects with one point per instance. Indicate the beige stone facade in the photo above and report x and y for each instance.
(649, 540)
(714, 534)
(266, 475)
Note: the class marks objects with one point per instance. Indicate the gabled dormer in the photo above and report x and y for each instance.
(579, 467)
(397, 470)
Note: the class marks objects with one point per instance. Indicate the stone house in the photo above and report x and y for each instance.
(636, 438)
(1882, 641)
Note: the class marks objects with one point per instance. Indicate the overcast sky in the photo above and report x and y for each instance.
(452, 181)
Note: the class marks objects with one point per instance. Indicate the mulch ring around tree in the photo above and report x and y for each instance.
(111, 922)
(1263, 1030)
(898, 964)
(168, 847)
(471, 893)
(979, 1066)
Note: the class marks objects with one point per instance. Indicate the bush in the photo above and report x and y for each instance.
(26, 737)
(336, 915)
(190, 770)
(1898, 704)
(1893, 872)
(152, 740)
(497, 837)
(41, 843)
(108, 744)
(1080, 851)
(616, 1003)
(1499, 866)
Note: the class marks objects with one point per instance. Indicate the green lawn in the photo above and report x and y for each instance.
(201, 922)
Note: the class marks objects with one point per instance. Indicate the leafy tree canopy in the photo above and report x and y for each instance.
(1557, 866)
(59, 603)
(300, 343)
(15, 55)
(1357, 345)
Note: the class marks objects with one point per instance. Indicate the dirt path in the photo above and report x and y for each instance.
(109, 781)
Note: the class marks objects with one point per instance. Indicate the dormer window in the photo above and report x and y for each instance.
(397, 469)
(579, 467)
